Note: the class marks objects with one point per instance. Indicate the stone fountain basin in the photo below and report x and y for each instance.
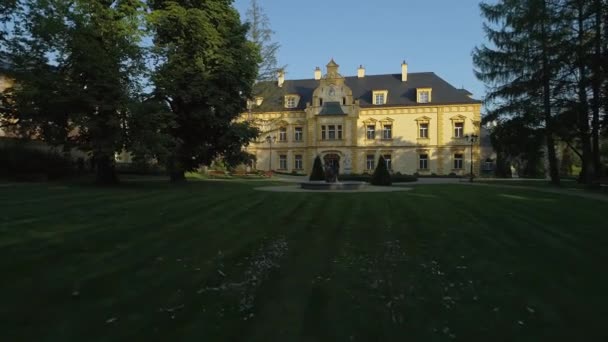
(322, 185)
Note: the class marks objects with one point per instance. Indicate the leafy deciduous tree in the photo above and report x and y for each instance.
(206, 74)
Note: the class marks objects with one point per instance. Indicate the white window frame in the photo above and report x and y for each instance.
(371, 136)
(323, 132)
(423, 127)
(389, 161)
(298, 133)
(423, 163)
(283, 134)
(331, 131)
(459, 129)
(424, 96)
(458, 161)
(370, 162)
(488, 165)
(298, 164)
(291, 101)
(282, 162)
(339, 132)
(380, 97)
(387, 132)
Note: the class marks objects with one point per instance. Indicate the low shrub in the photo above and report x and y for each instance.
(21, 163)
(140, 169)
(404, 179)
(353, 177)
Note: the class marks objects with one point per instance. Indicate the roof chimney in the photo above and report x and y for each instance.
(281, 78)
(403, 71)
(317, 73)
(361, 71)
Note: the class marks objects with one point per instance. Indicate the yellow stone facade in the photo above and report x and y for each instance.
(280, 148)
(5, 83)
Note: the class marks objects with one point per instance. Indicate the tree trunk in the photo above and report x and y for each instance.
(583, 105)
(596, 85)
(176, 170)
(546, 80)
(105, 171)
(177, 176)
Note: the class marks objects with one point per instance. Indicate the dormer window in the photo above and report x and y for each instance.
(379, 97)
(291, 101)
(423, 95)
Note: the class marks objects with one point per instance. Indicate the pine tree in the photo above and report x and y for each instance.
(260, 34)
(522, 64)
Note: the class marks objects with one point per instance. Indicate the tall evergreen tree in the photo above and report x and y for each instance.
(261, 34)
(381, 176)
(317, 173)
(206, 73)
(522, 64)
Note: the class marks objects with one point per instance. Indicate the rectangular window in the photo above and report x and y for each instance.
(458, 129)
(282, 134)
(388, 160)
(458, 161)
(379, 99)
(488, 165)
(340, 132)
(298, 134)
(323, 133)
(371, 132)
(331, 130)
(370, 162)
(290, 102)
(424, 130)
(388, 132)
(283, 162)
(298, 162)
(423, 162)
(424, 97)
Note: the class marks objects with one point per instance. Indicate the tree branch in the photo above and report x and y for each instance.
(574, 150)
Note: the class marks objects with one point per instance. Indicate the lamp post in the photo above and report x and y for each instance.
(472, 139)
(270, 140)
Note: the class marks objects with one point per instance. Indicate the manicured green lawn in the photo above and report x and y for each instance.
(219, 261)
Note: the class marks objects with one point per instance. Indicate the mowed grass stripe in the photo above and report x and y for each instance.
(135, 251)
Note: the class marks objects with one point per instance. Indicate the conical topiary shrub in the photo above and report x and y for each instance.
(317, 173)
(381, 175)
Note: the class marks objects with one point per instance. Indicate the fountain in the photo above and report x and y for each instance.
(331, 181)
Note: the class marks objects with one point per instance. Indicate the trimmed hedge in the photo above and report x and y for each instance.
(140, 169)
(367, 178)
(21, 163)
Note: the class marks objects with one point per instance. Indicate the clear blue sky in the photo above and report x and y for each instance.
(431, 35)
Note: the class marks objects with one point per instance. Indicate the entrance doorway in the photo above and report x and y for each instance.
(333, 160)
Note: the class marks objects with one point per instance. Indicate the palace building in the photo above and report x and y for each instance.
(418, 122)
